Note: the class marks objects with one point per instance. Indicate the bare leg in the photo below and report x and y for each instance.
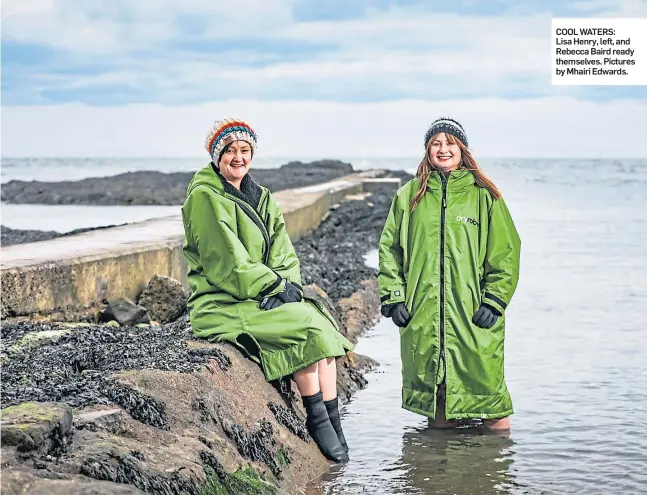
(328, 378)
(502, 424)
(440, 421)
(307, 380)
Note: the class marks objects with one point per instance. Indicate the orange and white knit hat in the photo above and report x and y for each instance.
(226, 131)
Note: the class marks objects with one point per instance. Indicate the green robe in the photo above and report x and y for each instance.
(443, 260)
(239, 252)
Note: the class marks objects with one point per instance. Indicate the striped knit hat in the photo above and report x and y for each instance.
(224, 132)
(446, 125)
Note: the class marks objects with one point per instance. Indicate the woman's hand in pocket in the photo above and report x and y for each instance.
(486, 316)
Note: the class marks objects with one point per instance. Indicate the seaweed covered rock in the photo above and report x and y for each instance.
(158, 411)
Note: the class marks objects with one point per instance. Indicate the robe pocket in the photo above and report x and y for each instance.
(494, 331)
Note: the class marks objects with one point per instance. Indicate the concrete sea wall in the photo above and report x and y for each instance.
(75, 272)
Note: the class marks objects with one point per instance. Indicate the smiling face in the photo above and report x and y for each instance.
(444, 152)
(235, 161)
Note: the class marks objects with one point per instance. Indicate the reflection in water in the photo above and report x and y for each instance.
(393, 451)
(462, 461)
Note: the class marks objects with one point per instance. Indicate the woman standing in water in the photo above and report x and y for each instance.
(245, 282)
(449, 266)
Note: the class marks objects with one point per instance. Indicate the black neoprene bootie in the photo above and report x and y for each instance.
(332, 407)
(321, 429)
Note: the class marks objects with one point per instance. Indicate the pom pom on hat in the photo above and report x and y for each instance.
(224, 132)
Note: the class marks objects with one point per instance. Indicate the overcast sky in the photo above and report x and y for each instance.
(315, 78)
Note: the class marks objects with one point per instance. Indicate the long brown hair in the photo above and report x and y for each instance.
(468, 163)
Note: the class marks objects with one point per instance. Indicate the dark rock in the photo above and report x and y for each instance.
(37, 426)
(164, 298)
(317, 167)
(126, 312)
(15, 236)
(157, 188)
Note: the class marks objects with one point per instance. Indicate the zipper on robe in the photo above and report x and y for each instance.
(442, 361)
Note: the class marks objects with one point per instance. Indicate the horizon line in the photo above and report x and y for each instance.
(312, 158)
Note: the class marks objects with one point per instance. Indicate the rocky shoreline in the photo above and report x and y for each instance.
(17, 236)
(157, 188)
(147, 188)
(103, 408)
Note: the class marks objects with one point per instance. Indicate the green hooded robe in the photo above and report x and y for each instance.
(238, 252)
(458, 249)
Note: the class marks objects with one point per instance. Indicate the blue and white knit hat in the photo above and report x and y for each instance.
(446, 125)
(224, 132)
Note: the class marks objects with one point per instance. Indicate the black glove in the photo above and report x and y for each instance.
(486, 316)
(290, 293)
(398, 313)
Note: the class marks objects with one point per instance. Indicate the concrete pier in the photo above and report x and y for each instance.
(75, 272)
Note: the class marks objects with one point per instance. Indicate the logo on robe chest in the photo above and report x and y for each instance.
(461, 218)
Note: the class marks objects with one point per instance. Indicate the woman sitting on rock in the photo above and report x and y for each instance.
(449, 266)
(245, 282)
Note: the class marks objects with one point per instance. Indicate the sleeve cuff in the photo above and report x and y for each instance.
(275, 288)
(395, 296)
(495, 302)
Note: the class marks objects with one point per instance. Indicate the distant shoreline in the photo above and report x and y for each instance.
(146, 188)
(159, 188)
(19, 236)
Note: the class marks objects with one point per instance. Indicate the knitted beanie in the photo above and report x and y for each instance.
(448, 126)
(226, 131)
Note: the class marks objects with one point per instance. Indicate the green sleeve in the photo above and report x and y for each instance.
(223, 257)
(390, 272)
(502, 257)
(283, 258)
